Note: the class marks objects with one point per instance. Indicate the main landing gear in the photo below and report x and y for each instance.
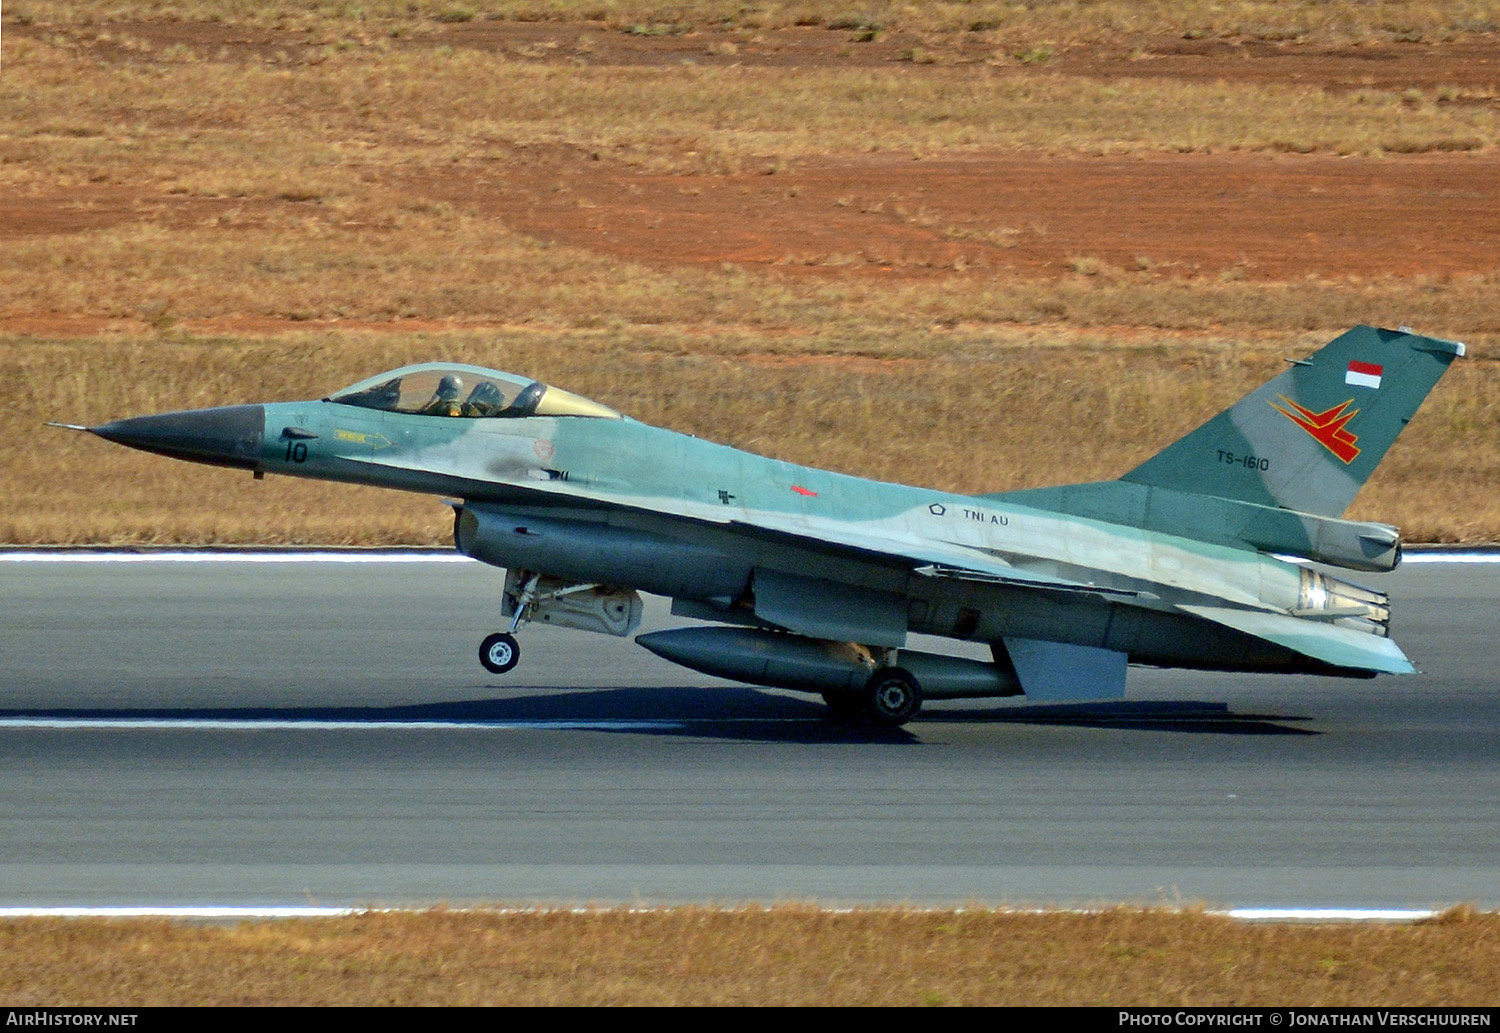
(892, 697)
(889, 699)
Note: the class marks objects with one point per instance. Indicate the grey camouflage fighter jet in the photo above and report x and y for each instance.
(813, 580)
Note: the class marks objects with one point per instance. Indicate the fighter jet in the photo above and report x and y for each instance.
(813, 580)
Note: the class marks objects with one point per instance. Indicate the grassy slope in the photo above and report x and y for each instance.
(1408, 20)
(784, 956)
(1054, 406)
(215, 192)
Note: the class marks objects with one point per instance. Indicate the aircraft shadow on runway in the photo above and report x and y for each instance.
(742, 714)
(1138, 715)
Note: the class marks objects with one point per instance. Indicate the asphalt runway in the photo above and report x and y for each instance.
(274, 733)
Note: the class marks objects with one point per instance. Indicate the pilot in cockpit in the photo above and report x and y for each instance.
(484, 400)
(444, 401)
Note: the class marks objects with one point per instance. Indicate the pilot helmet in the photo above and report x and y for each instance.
(449, 388)
(487, 394)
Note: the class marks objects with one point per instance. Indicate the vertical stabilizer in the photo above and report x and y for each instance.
(1310, 438)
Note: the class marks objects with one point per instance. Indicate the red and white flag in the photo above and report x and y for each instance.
(1364, 374)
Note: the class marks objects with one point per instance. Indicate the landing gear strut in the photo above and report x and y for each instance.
(500, 652)
(584, 606)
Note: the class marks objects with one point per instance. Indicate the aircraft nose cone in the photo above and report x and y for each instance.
(226, 436)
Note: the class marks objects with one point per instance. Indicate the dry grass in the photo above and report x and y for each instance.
(296, 266)
(781, 956)
(228, 128)
(958, 411)
(205, 207)
(354, 189)
(1064, 20)
(206, 211)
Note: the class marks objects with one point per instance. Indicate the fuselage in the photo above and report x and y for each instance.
(743, 512)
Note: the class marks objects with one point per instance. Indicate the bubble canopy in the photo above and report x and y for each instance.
(465, 392)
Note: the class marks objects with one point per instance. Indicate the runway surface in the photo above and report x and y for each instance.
(278, 733)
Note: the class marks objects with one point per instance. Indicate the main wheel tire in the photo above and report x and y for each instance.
(499, 652)
(892, 697)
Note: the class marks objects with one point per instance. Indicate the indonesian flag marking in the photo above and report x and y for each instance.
(1364, 374)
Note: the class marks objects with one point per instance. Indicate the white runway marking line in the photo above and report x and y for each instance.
(306, 911)
(1327, 914)
(89, 556)
(181, 912)
(437, 556)
(1455, 557)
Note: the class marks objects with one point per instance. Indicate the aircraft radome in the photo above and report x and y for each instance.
(813, 580)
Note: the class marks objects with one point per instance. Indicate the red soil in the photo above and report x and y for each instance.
(1260, 216)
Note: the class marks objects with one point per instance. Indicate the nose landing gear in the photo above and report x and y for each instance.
(530, 596)
(500, 652)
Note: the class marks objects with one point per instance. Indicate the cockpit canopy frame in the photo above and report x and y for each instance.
(455, 390)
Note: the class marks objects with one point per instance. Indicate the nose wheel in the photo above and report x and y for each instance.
(499, 652)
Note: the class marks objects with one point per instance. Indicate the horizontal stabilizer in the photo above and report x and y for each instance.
(1058, 671)
(1340, 647)
(1323, 539)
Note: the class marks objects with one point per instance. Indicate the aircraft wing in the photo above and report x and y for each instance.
(922, 556)
(925, 557)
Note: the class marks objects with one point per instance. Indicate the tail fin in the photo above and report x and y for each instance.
(1309, 439)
